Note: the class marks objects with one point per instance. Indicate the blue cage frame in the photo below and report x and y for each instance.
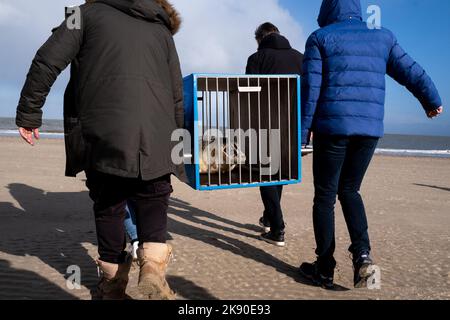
(192, 117)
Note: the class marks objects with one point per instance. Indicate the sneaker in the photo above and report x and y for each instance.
(362, 270)
(275, 239)
(311, 272)
(264, 224)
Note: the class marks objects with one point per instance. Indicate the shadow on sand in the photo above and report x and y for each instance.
(58, 225)
(26, 285)
(431, 186)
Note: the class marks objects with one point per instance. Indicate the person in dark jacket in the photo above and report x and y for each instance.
(275, 56)
(123, 101)
(343, 94)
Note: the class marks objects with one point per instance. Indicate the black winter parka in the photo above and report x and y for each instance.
(125, 95)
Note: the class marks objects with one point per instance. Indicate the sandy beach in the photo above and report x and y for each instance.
(47, 225)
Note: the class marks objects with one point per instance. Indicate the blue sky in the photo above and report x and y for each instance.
(421, 26)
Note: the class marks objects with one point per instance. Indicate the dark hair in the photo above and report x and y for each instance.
(264, 30)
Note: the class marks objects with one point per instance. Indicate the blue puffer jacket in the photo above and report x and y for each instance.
(343, 85)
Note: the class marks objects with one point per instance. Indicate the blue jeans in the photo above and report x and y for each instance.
(130, 223)
(339, 166)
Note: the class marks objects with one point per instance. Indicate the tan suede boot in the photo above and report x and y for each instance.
(153, 261)
(114, 279)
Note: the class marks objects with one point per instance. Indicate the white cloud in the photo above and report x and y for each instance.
(218, 36)
(34, 16)
(9, 14)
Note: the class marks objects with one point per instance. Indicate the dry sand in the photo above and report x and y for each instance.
(47, 225)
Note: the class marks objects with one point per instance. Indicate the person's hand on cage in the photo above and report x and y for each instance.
(309, 139)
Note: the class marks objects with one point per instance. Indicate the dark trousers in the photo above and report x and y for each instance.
(271, 197)
(339, 166)
(150, 201)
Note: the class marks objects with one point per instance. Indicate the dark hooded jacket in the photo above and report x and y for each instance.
(275, 56)
(343, 85)
(125, 95)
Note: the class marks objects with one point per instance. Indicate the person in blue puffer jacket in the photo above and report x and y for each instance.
(343, 96)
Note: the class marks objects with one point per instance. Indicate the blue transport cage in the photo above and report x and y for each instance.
(244, 130)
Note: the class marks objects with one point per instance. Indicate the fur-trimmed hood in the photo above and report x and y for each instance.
(159, 11)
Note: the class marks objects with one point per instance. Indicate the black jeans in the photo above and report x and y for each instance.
(271, 197)
(150, 200)
(339, 166)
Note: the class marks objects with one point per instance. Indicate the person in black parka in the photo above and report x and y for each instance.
(122, 104)
(275, 56)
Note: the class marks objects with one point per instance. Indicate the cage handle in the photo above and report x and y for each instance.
(249, 89)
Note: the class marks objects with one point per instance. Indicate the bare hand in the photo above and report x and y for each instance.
(435, 113)
(28, 133)
(310, 137)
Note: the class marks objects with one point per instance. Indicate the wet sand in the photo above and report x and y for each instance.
(47, 225)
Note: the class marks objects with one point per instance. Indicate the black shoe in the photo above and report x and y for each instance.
(311, 272)
(275, 239)
(264, 223)
(362, 269)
